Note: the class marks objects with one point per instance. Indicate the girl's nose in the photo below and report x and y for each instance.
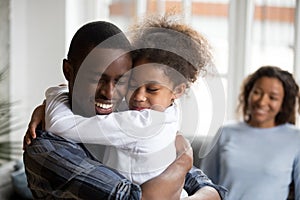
(263, 100)
(139, 94)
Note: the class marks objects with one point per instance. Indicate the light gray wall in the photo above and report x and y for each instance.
(4, 65)
(4, 48)
(37, 40)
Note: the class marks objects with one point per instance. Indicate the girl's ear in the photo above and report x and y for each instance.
(68, 70)
(179, 90)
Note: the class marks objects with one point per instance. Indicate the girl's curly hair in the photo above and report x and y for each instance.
(166, 40)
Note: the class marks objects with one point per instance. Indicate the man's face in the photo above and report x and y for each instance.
(107, 95)
(94, 90)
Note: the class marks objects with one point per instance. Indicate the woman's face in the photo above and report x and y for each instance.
(265, 100)
(149, 88)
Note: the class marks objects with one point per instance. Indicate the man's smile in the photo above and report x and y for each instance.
(104, 105)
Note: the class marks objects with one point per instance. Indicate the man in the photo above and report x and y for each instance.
(58, 168)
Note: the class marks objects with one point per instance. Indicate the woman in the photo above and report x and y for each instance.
(259, 157)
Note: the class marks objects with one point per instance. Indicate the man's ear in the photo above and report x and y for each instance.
(68, 70)
(179, 90)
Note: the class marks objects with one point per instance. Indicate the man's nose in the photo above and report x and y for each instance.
(107, 89)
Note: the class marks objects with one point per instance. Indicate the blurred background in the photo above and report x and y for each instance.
(35, 36)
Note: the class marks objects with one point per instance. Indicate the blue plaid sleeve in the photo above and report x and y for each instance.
(196, 179)
(60, 169)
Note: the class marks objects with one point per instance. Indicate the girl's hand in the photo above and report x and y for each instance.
(37, 118)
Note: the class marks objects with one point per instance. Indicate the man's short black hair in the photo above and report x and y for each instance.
(91, 35)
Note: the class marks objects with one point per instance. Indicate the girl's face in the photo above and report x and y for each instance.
(150, 88)
(265, 102)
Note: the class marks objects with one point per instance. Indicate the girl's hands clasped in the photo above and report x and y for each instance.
(37, 118)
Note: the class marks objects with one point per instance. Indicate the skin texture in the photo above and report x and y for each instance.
(265, 102)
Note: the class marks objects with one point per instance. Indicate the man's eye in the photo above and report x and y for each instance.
(101, 81)
(121, 82)
(94, 81)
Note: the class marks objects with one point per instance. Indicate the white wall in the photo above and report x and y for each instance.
(37, 42)
(79, 12)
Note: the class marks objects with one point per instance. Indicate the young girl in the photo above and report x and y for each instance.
(259, 157)
(168, 57)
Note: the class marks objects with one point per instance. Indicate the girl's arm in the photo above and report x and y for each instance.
(118, 129)
(37, 121)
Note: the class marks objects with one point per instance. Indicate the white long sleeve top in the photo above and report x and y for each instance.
(140, 144)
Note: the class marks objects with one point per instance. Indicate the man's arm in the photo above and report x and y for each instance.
(200, 187)
(63, 169)
(50, 150)
(205, 193)
(59, 168)
(170, 183)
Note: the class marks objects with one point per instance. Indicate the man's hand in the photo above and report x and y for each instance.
(37, 117)
(169, 184)
(184, 152)
(205, 193)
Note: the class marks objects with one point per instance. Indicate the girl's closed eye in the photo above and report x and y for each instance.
(152, 89)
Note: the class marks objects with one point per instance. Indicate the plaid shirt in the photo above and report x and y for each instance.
(60, 169)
